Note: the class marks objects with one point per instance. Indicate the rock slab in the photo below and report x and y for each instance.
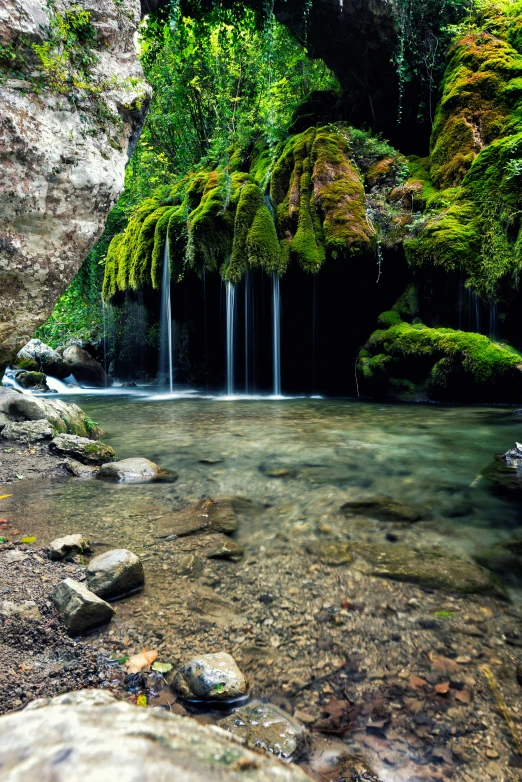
(80, 610)
(135, 470)
(210, 677)
(90, 735)
(28, 431)
(263, 726)
(60, 548)
(114, 574)
(82, 449)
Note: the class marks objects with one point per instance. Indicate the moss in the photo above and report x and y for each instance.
(210, 228)
(446, 363)
(250, 200)
(262, 245)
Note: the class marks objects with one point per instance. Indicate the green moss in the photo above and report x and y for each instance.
(211, 230)
(250, 200)
(262, 245)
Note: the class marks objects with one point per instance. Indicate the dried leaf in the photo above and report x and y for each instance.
(464, 696)
(144, 659)
(5, 496)
(416, 681)
(442, 688)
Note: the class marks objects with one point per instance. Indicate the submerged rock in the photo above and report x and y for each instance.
(504, 558)
(60, 548)
(263, 726)
(35, 380)
(210, 677)
(332, 552)
(81, 470)
(36, 356)
(382, 508)
(207, 515)
(85, 368)
(80, 609)
(82, 449)
(28, 431)
(115, 573)
(225, 548)
(433, 569)
(91, 735)
(353, 769)
(136, 470)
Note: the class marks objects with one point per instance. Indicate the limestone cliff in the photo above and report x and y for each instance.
(72, 102)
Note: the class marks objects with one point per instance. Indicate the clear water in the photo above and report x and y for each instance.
(301, 459)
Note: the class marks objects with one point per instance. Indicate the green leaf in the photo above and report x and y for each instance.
(162, 667)
(20, 477)
(3, 540)
(29, 539)
(122, 660)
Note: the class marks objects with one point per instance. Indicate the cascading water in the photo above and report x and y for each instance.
(249, 336)
(231, 327)
(276, 334)
(166, 359)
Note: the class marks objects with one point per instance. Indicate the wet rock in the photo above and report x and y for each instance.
(225, 548)
(34, 380)
(81, 470)
(277, 470)
(207, 515)
(136, 470)
(91, 735)
(28, 431)
(26, 610)
(381, 508)
(431, 568)
(505, 476)
(82, 449)
(80, 609)
(115, 573)
(60, 548)
(85, 368)
(353, 769)
(210, 677)
(190, 565)
(63, 416)
(332, 552)
(263, 726)
(39, 357)
(502, 559)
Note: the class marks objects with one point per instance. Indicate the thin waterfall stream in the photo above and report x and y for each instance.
(276, 334)
(166, 347)
(231, 328)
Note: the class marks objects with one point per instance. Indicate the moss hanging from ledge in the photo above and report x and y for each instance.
(472, 222)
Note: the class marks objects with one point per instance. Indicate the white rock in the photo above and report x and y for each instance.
(69, 544)
(136, 470)
(80, 609)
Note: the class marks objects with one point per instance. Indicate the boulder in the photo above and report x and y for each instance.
(28, 431)
(263, 726)
(135, 470)
(114, 574)
(80, 609)
(382, 508)
(63, 416)
(35, 380)
(85, 368)
(91, 735)
(210, 677)
(38, 357)
(60, 548)
(82, 449)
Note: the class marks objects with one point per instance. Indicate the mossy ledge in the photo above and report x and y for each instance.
(323, 186)
(413, 361)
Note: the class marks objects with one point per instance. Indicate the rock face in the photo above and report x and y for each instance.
(70, 544)
(61, 161)
(90, 735)
(36, 356)
(80, 610)
(132, 471)
(85, 368)
(28, 431)
(83, 449)
(210, 677)
(114, 574)
(266, 727)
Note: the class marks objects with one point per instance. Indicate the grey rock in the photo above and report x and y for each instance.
(63, 416)
(80, 609)
(115, 573)
(69, 544)
(263, 726)
(207, 515)
(82, 449)
(85, 368)
(331, 552)
(81, 470)
(26, 610)
(91, 735)
(224, 548)
(210, 677)
(13, 557)
(36, 356)
(136, 470)
(28, 431)
(382, 508)
(34, 380)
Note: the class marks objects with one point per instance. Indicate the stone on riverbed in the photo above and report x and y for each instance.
(91, 735)
(82, 449)
(35, 380)
(136, 470)
(207, 515)
(85, 368)
(114, 574)
(28, 431)
(381, 508)
(331, 552)
(430, 568)
(263, 726)
(67, 546)
(210, 677)
(80, 609)
(26, 610)
(225, 548)
(80, 470)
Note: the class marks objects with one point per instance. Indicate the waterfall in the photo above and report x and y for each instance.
(493, 318)
(166, 362)
(104, 321)
(231, 323)
(276, 334)
(473, 311)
